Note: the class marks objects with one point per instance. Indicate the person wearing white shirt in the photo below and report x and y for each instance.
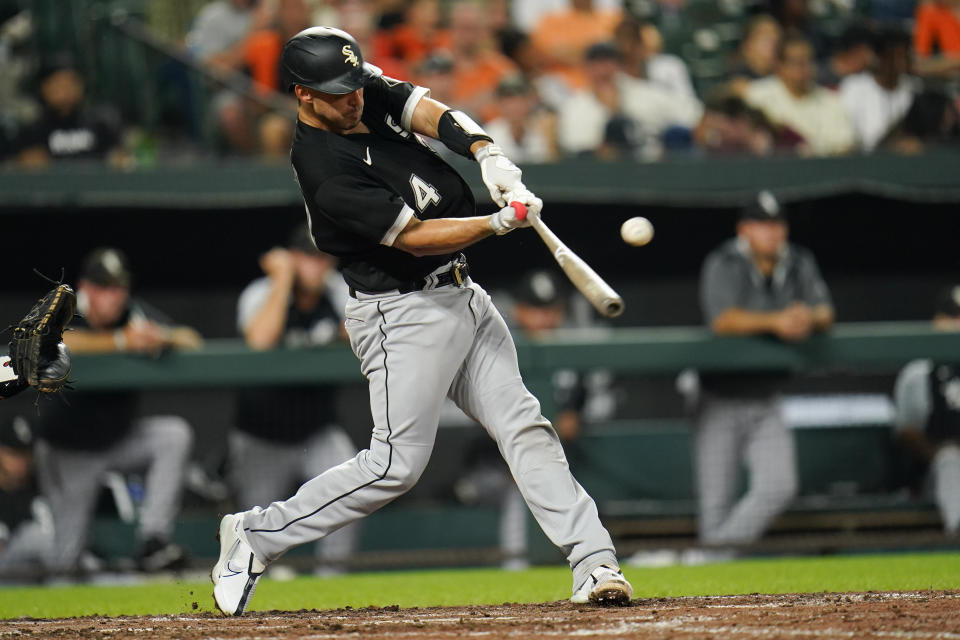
(641, 45)
(876, 100)
(612, 94)
(792, 98)
(524, 129)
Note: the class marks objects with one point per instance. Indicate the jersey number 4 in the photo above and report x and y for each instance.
(424, 192)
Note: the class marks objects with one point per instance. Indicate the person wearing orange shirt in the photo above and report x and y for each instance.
(417, 37)
(478, 65)
(563, 37)
(937, 29)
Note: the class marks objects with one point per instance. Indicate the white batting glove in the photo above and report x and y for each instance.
(533, 204)
(505, 220)
(499, 174)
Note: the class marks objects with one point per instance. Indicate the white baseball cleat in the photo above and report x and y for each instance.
(236, 573)
(605, 586)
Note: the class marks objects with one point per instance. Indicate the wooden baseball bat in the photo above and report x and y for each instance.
(600, 294)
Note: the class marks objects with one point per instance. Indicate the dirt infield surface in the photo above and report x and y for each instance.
(926, 614)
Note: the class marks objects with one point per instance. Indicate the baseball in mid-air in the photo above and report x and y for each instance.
(636, 231)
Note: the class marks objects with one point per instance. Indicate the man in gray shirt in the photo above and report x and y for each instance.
(927, 395)
(754, 284)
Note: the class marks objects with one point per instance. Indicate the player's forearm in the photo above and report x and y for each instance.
(822, 317)
(741, 322)
(267, 327)
(442, 235)
(86, 341)
(938, 65)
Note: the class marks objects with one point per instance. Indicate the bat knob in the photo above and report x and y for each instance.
(520, 208)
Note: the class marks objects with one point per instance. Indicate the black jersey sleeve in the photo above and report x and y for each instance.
(392, 101)
(364, 207)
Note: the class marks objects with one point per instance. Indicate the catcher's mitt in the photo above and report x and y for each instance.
(37, 354)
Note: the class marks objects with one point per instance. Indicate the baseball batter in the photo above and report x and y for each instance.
(397, 216)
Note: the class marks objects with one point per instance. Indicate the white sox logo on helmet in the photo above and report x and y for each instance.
(351, 57)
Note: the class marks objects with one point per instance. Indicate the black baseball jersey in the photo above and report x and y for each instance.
(289, 414)
(362, 189)
(944, 421)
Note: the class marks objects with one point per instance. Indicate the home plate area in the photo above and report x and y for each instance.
(913, 615)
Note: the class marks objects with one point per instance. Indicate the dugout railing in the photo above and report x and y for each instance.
(639, 470)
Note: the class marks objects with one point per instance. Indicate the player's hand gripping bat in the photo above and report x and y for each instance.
(601, 295)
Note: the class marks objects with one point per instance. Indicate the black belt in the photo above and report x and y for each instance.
(456, 275)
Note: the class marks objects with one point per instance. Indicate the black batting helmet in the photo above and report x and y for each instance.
(325, 59)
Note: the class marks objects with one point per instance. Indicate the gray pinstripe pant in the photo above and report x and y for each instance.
(731, 433)
(71, 481)
(415, 349)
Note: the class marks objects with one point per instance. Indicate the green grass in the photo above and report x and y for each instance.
(490, 586)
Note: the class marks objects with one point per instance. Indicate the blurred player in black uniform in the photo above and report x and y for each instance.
(927, 395)
(26, 527)
(96, 432)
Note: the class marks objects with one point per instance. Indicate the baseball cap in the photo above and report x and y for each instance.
(301, 240)
(107, 267)
(539, 289)
(764, 206)
(948, 302)
(603, 51)
(58, 61)
(437, 62)
(513, 84)
(15, 433)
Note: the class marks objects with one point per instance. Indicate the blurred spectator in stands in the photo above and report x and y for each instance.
(852, 53)
(245, 126)
(932, 121)
(756, 56)
(730, 125)
(795, 18)
(754, 284)
(538, 307)
(936, 38)
(96, 432)
(216, 40)
(553, 88)
(478, 63)
(526, 14)
(563, 37)
(416, 38)
(26, 527)
(618, 114)
(69, 128)
(16, 106)
(219, 26)
(793, 99)
(436, 72)
(641, 46)
(357, 18)
(877, 100)
(927, 397)
(287, 434)
(260, 50)
(524, 130)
